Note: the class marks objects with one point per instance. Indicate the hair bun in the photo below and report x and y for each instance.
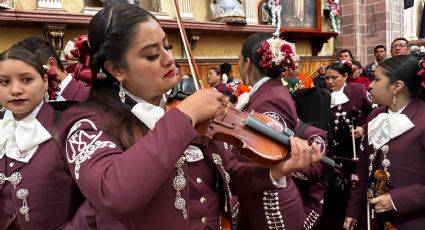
(417, 52)
(276, 52)
(348, 66)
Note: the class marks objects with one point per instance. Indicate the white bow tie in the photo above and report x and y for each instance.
(149, 114)
(19, 140)
(387, 126)
(338, 98)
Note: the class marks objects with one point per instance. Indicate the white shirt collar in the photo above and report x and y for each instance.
(19, 140)
(387, 126)
(243, 99)
(149, 114)
(146, 112)
(338, 97)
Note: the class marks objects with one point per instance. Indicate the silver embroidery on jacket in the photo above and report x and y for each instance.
(81, 150)
(14, 179)
(299, 176)
(272, 212)
(311, 220)
(22, 194)
(179, 183)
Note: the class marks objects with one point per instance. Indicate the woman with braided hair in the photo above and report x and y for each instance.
(395, 144)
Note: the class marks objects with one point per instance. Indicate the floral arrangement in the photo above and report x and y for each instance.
(271, 10)
(335, 13)
(277, 52)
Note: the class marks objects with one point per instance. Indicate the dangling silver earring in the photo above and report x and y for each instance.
(121, 93)
(394, 100)
(100, 74)
(46, 96)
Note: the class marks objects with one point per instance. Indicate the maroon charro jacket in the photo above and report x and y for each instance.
(75, 91)
(53, 197)
(134, 188)
(407, 171)
(300, 203)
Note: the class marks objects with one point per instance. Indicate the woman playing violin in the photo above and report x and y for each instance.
(270, 97)
(394, 143)
(137, 164)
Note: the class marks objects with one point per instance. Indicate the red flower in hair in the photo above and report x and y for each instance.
(421, 72)
(81, 52)
(53, 84)
(266, 55)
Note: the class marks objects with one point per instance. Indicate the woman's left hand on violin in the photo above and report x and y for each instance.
(382, 203)
(302, 155)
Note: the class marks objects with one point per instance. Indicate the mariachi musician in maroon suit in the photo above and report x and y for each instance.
(62, 86)
(36, 189)
(142, 167)
(285, 208)
(350, 106)
(394, 144)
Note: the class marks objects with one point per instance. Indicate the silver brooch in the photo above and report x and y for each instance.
(22, 194)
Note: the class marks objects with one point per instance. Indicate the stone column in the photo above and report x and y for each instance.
(366, 24)
(251, 11)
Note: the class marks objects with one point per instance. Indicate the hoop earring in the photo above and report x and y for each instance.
(121, 93)
(394, 100)
(46, 96)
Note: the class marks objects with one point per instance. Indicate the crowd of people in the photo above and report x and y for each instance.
(109, 153)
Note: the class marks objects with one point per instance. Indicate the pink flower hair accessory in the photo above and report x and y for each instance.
(276, 52)
(81, 52)
(421, 72)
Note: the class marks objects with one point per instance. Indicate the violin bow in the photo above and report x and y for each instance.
(186, 46)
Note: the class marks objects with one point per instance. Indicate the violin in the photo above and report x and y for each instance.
(380, 188)
(259, 137)
(232, 127)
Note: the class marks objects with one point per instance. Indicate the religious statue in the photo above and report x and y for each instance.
(299, 10)
(6, 3)
(156, 6)
(229, 11)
